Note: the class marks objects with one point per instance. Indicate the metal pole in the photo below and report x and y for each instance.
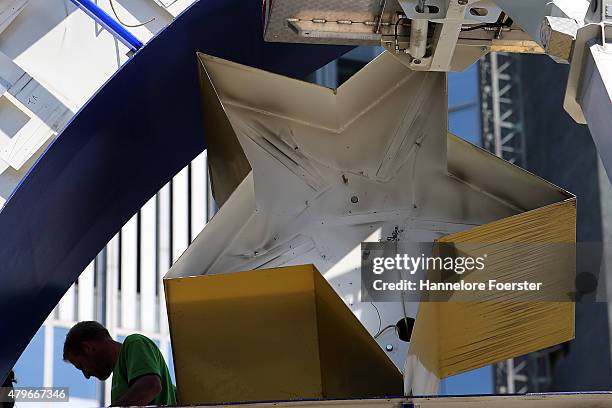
(101, 284)
(496, 107)
(595, 96)
(510, 376)
(211, 204)
(109, 23)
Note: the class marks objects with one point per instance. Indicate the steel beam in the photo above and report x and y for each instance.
(595, 98)
(109, 23)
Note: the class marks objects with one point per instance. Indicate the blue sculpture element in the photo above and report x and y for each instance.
(109, 23)
(139, 130)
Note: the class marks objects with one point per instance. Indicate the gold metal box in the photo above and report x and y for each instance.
(271, 334)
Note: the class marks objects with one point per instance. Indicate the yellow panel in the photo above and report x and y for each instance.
(271, 334)
(351, 361)
(472, 334)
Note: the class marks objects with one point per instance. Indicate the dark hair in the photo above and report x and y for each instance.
(82, 332)
(8, 384)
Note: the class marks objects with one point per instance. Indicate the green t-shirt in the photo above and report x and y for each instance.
(140, 356)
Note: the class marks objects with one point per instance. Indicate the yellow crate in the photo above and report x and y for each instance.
(271, 334)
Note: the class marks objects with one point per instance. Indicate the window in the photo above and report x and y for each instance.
(171, 364)
(464, 105)
(66, 375)
(29, 369)
(479, 381)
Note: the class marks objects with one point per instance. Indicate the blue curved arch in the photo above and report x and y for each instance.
(140, 129)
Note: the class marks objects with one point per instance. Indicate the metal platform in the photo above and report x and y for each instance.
(560, 400)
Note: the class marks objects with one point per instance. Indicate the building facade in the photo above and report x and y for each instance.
(123, 287)
(563, 152)
(524, 119)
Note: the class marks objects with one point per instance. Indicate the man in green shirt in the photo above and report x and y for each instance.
(140, 374)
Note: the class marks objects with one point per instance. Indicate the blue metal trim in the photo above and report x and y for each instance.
(109, 23)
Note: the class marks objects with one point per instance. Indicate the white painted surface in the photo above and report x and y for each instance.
(112, 284)
(63, 57)
(176, 7)
(48, 357)
(24, 108)
(148, 264)
(113, 321)
(198, 195)
(180, 213)
(85, 290)
(67, 52)
(163, 250)
(67, 305)
(129, 268)
(10, 177)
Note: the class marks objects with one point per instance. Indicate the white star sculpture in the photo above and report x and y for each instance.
(334, 167)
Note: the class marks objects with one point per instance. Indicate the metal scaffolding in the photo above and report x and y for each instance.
(502, 107)
(528, 373)
(503, 134)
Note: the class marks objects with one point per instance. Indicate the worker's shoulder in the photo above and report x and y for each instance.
(137, 338)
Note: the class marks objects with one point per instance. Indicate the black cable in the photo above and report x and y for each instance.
(478, 27)
(506, 24)
(396, 37)
(391, 326)
(396, 23)
(112, 4)
(379, 318)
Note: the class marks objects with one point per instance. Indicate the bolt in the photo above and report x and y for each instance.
(462, 2)
(354, 199)
(389, 347)
(416, 61)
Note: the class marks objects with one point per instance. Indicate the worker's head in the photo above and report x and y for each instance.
(6, 401)
(90, 348)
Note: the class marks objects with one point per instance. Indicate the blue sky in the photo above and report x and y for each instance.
(464, 105)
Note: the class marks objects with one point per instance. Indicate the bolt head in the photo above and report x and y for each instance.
(389, 347)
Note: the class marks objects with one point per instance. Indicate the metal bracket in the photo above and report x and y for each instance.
(600, 11)
(437, 11)
(585, 34)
